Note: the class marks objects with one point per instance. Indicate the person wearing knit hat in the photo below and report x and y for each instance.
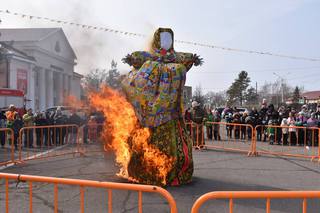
(198, 115)
(194, 104)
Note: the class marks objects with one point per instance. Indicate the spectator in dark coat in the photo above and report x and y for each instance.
(74, 119)
(17, 126)
(2, 125)
(41, 133)
(197, 116)
(60, 119)
(51, 136)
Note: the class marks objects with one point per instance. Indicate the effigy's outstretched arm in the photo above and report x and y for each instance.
(137, 59)
(188, 59)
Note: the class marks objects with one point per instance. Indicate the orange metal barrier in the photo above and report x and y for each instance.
(293, 141)
(8, 142)
(91, 134)
(48, 141)
(226, 136)
(82, 184)
(196, 132)
(290, 141)
(233, 137)
(256, 195)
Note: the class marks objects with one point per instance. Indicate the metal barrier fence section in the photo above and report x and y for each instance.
(294, 141)
(8, 140)
(267, 195)
(221, 135)
(37, 142)
(91, 133)
(231, 136)
(290, 141)
(32, 181)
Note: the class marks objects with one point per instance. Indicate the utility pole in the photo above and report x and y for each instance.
(282, 89)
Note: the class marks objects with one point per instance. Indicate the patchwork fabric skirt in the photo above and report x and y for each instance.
(173, 140)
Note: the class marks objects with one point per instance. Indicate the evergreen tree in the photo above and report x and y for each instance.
(296, 95)
(251, 96)
(236, 91)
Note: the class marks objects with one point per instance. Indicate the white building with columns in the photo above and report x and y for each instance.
(50, 77)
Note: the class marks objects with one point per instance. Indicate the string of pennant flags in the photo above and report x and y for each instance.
(126, 33)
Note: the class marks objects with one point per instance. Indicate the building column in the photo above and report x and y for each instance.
(59, 88)
(64, 87)
(31, 88)
(42, 89)
(69, 84)
(49, 86)
(12, 76)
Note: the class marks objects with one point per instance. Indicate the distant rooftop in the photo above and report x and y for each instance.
(311, 95)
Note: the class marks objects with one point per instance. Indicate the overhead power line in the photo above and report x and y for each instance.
(127, 33)
(261, 70)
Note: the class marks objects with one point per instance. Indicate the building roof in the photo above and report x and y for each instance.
(78, 75)
(8, 50)
(312, 95)
(26, 34)
(30, 34)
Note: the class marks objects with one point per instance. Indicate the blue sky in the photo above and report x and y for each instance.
(282, 26)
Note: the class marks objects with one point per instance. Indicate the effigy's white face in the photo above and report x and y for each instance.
(165, 40)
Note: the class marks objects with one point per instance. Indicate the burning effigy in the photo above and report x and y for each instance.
(144, 122)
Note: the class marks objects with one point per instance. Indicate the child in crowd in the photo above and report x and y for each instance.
(271, 131)
(285, 131)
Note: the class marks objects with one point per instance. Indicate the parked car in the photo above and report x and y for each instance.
(241, 110)
(66, 110)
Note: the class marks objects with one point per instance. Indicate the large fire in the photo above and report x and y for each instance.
(124, 135)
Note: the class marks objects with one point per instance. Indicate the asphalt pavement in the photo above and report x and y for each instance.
(214, 171)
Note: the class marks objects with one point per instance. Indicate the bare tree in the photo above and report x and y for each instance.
(216, 99)
(99, 77)
(272, 92)
(94, 79)
(198, 95)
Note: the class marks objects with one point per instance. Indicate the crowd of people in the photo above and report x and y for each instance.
(47, 136)
(284, 125)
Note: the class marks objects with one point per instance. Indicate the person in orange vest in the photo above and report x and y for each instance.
(11, 116)
(92, 129)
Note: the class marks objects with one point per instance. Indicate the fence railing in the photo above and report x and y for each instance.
(291, 141)
(82, 184)
(231, 136)
(8, 142)
(48, 141)
(267, 195)
(294, 141)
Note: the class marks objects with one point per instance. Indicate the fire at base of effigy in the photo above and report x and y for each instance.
(139, 160)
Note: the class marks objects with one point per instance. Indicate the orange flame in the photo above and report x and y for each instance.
(72, 101)
(123, 126)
